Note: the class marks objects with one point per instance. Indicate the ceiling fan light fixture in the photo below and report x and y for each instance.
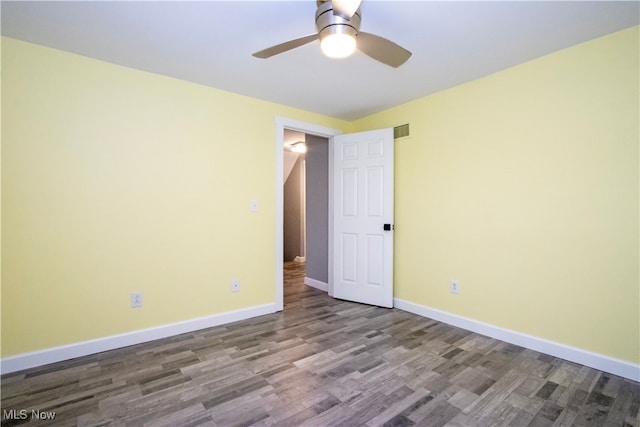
(337, 34)
(299, 147)
(338, 45)
(338, 24)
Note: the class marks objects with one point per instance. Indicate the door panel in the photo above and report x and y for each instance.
(349, 193)
(363, 203)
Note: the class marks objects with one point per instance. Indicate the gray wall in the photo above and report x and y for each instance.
(317, 195)
(293, 213)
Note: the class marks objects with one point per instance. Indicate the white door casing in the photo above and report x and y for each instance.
(282, 123)
(362, 205)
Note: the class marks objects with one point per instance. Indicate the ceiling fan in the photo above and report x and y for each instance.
(338, 23)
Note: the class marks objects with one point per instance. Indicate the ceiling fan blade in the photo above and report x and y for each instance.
(283, 47)
(345, 8)
(382, 50)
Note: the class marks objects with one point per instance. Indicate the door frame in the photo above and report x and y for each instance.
(283, 123)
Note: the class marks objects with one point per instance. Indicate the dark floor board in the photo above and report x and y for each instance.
(323, 362)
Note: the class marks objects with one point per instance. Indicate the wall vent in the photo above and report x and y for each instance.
(401, 131)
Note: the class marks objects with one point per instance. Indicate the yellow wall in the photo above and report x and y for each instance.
(0, 198)
(116, 180)
(524, 186)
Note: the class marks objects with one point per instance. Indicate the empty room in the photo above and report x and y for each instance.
(467, 219)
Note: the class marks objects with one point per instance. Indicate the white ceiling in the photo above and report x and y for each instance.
(211, 42)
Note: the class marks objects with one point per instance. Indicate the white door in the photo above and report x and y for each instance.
(363, 217)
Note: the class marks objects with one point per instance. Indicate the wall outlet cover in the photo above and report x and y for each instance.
(454, 287)
(136, 299)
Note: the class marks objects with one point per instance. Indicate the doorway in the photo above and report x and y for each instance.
(308, 129)
(361, 164)
(306, 214)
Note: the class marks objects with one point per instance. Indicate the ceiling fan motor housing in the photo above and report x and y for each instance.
(328, 23)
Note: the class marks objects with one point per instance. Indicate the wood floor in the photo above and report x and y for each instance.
(321, 362)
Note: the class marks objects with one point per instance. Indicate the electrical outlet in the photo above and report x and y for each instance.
(454, 287)
(235, 285)
(136, 299)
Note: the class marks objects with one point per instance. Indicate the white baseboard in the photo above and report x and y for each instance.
(584, 357)
(316, 284)
(84, 348)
